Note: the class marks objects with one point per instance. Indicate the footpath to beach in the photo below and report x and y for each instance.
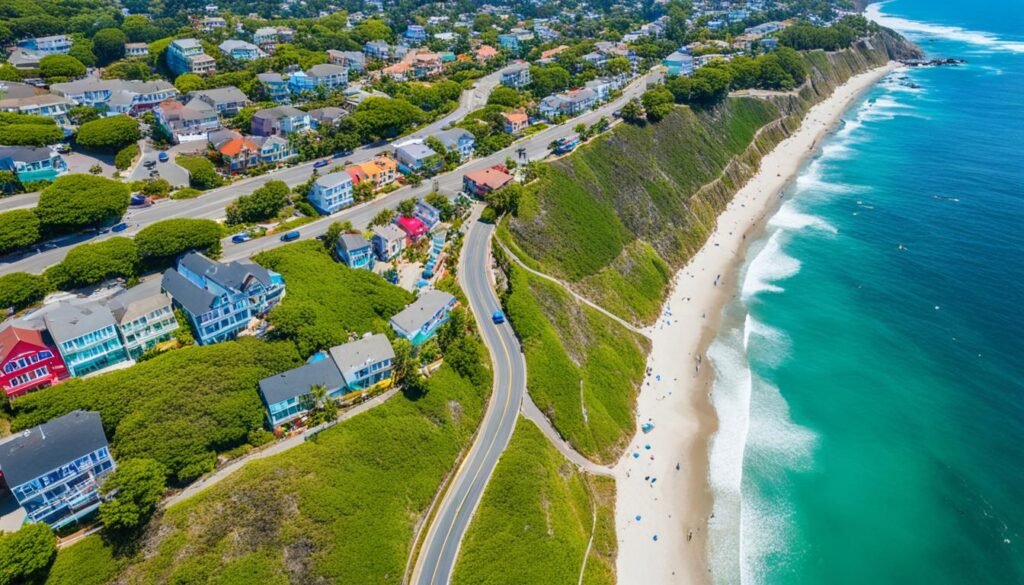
(662, 478)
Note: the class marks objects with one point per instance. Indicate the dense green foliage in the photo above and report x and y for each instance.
(89, 562)
(73, 202)
(262, 204)
(25, 554)
(88, 264)
(202, 174)
(805, 36)
(160, 243)
(378, 118)
(125, 156)
(536, 518)
(327, 300)
(568, 344)
(21, 289)
(179, 408)
(110, 134)
(131, 494)
(108, 45)
(60, 67)
(28, 130)
(18, 228)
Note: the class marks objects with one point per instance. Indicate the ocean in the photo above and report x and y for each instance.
(870, 372)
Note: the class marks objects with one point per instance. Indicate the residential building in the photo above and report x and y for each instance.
(485, 53)
(266, 38)
(570, 103)
(331, 192)
(49, 105)
(187, 56)
(326, 76)
(516, 75)
(136, 50)
(354, 251)
(378, 50)
(509, 42)
(52, 45)
(412, 227)
(144, 317)
(415, 35)
(595, 58)
(220, 299)
(274, 149)
(480, 183)
(602, 88)
(353, 60)
(212, 23)
(365, 363)
(24, 59)
(285, 34)
(86, 335)
(227, 100)
(186, 123)
(419, 321)
(388, 241)
(275, 87)
(54, 470)
(381, 171)
(238, 153)
(117, 96)
(328, 116)
(679, 63)
(400, 71)
(458, 140)
(427, 213)
(549, 55)
(280, 120)
(27, 361)
(32, 163)
(287, 396)
(427, 65)
(416, 157)
(515, 122)
(241, 50)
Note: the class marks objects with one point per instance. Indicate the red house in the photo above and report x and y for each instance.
(27, 363)
(412, 226)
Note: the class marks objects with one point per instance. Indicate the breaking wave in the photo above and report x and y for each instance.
(918, 29)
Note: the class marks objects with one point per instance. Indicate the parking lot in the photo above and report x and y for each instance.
(175, 175)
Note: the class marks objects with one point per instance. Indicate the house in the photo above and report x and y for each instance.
(515, 122)
(241, 50)
(419, 321)
(48, 105)
(285, 34)
(52, 45)
(326, 76)
(458, 140)
(427, 65)
(31, 163)
(227, 100)
(446, 37)
(54, 470)
(187, 56)
(238, 154)
(601, 87)
(570, 103)
(275, 87)
(212, 23)
(549, 55)
(427, 213)
(353, 60)
(399, 71)
(132, 50)
(328, 116)
(116, 96)
(354, 251)
(274, 149)
(412, 227)
(144, 317)
(516, 75)
(331, 192)
(388, 241)
(220, 299)
(365, 363)
(280, 120)
(416, 157)
(378, 50)
(24, 59)
(186, 123)
(265, 38)
(287, 396)
(480, 183)
(509, 42)
(485, 53)
(27, 362)
(86, 336)
(381, 171)
(679, 63)
(595, 58)
(415, 35)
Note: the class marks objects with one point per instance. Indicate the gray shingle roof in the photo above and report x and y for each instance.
(354, 356)
(416, 150)
(298, 381)
(221, 95)
(350, 242)
(231, 275)
(137, 301)
(69, 320)
(279, 112)
(421, 310)
(324, 69)
(195, 300)
(26, 456)
(333, 179)
(390, 232)
(27, 154)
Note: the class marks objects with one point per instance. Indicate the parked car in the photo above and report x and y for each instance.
(321, 163)
(290, 236)
(154, 173)
(119, 227)
(163, 157)
(138, 199)
(149, 164)
(498, 317)
(240, 238)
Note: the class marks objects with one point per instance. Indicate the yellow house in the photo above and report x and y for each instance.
(381, 171)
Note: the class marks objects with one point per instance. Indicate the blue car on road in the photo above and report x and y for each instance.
(162, 157)
(239, 238)
(498, 317)
(290, 236)
(321, 163)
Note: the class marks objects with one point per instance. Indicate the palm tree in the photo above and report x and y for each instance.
(323, 409)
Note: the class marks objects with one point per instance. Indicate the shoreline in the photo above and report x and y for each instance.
(666, 486)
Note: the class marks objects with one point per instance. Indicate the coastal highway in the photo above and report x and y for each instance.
(440, 548)
(211, 204)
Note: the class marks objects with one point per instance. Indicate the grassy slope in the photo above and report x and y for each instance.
(88, 562)
(565, 342)
(535, 520)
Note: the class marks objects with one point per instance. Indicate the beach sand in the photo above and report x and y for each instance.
(666, 484)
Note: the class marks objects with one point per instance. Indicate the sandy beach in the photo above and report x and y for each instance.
(663, 496)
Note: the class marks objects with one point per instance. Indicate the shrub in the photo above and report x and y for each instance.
(109, 134)
(60, 66)
(30, 134)
(186, 193)
(89, 562)
(77, 201)
(202, 174)
(125, 156)
(18, 228)
(25, 554)
(262, 204)
(161, 242)
(21, 289)
(89, 264)
(131, 494)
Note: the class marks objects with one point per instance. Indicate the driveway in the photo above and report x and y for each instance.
(81, 162)
(177, 176)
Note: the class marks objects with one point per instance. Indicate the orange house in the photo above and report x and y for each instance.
(381, 171)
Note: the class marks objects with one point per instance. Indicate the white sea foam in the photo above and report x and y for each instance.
(770, 266)
(789, 217)
(918, 29)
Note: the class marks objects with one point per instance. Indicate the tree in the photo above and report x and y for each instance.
(262, 204)
(548, 79)
(362, 191)
(18, 228)
(129, 69)
(372, 29)
(131, 494)
(125, 156)
(30, 134)
(505, 96)
(335, 230)
(82, 50)
(383, 217)
(202, 174)
(81, 114)
(442, 204)
(506, 199)
(76, 201)
(618, 66)
(108, 45)
(25, 554)
(109, 134)
(60, 67)
(323, 409)
(634, 112)
(21, 289)
(678, 12)
(378, 117)
(406, 207)
(657, 102)
(89, 264)
(161, 242)
(187, 82)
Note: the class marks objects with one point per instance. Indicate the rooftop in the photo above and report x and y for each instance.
(354, 356)
(29, 454)
(71, 320)
(413, 317)
(298, 381)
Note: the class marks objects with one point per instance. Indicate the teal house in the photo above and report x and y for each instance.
(355, 251)
(86, 336)
(31, 163)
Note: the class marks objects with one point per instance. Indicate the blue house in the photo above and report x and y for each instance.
(275, 87)
(378, 50)
(187, 56)
(355, 251)
(415, 35)
(86, 335)
(331, 192)
(32, 163)
(509, 42)
(679, 63)
(419, 321)
(426, 213)
(54, 470)
(52, 45)
(219, 299)
(415, 157)
(365, 363)
(516, 75)
(459, 140)
(324, 75)
(241, 50)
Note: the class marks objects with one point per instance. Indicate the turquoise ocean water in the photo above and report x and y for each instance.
(870, 379)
